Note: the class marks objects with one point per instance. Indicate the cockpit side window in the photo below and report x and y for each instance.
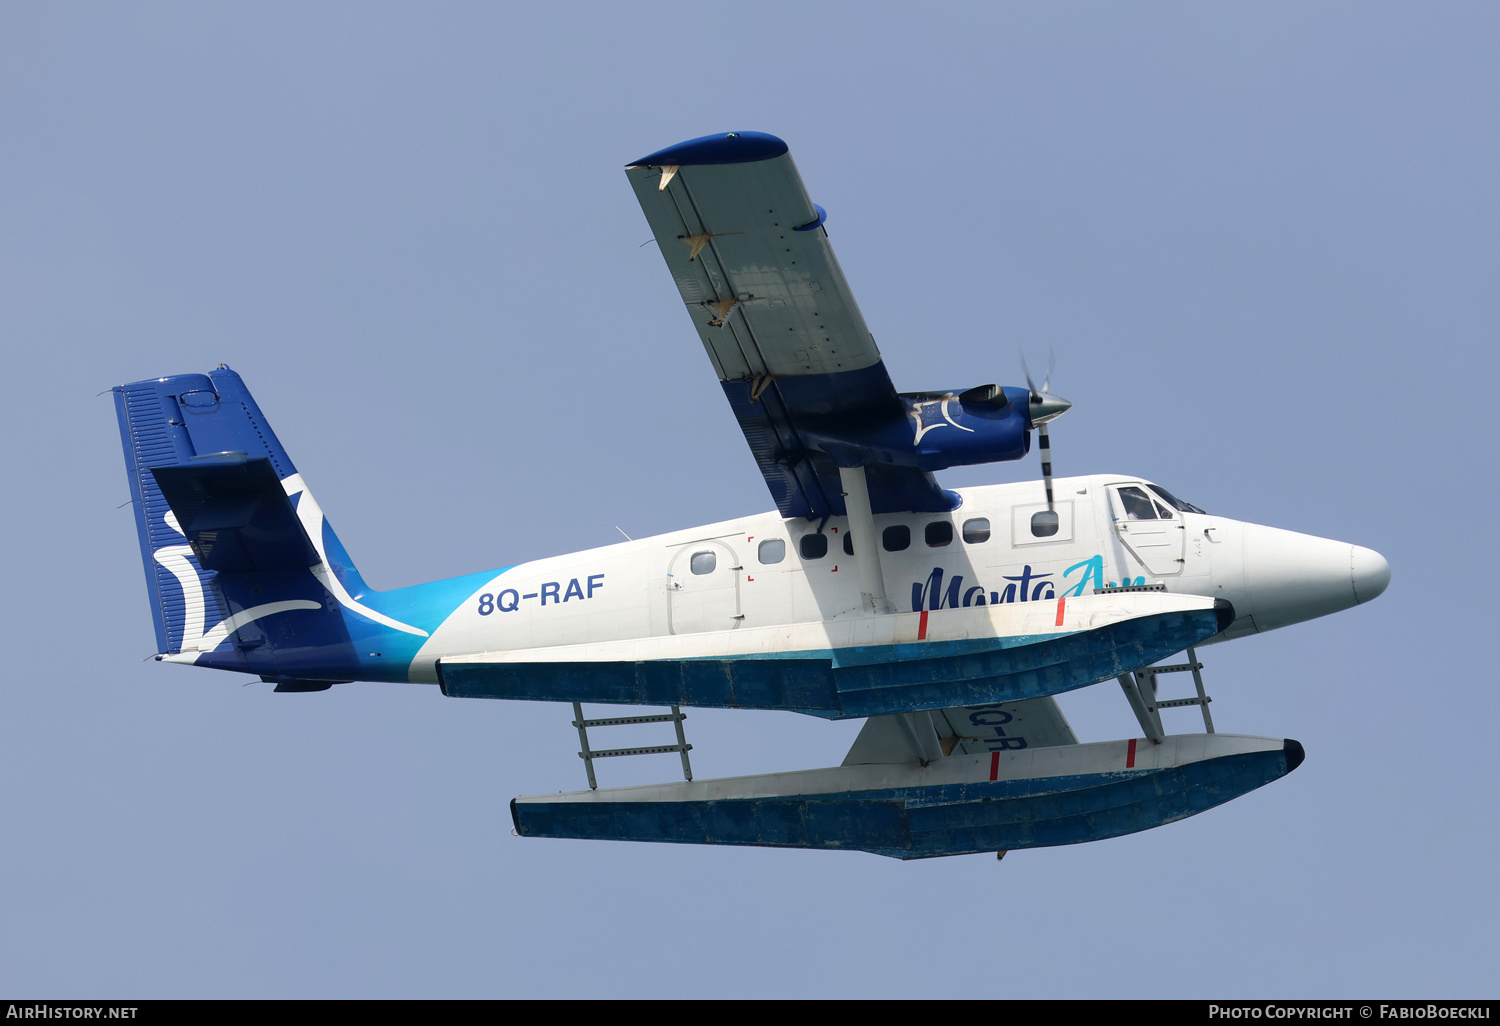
(1137, 504)
(1174, 501)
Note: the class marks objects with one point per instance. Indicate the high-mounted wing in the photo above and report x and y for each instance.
(751, 259)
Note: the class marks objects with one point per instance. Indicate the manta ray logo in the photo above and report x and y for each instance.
(918, 412)
(311, 515)
(196, 640)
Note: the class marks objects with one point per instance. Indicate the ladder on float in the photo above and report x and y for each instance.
(588, 755)
(1140, 685)
(1140, 692)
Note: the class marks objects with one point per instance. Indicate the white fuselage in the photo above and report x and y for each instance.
(758, 571)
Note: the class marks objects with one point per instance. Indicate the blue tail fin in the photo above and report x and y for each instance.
(242, 569)
(182, 424)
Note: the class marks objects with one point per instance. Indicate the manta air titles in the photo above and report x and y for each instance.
(946, 619)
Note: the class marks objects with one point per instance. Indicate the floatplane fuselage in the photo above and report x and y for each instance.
(948, 619)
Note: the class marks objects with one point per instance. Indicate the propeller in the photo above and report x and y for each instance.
(1042, 408)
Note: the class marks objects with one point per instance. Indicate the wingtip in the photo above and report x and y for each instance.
(722, 148)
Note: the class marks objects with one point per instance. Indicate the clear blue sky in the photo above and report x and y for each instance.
(1262, 239)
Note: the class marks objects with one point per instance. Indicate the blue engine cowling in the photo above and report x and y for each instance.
(935, 430)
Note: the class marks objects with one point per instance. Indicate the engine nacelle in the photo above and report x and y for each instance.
(936, 430)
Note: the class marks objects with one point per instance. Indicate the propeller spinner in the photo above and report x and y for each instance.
(1042, 408)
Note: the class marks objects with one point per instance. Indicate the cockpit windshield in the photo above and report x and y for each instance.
(1175, 502)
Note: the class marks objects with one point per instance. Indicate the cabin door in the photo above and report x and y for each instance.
(1149, 528)
(703, 588)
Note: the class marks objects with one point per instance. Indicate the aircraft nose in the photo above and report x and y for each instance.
(1370, 572)
(1294, 577)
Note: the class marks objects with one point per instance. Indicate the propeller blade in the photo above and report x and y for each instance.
(1043, 408)
(1045, 443)
(1044, 523)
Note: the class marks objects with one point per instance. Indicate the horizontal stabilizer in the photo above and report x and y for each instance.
(860, 666)
(961, 805)
(236, 515)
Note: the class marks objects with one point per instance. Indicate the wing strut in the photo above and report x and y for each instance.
(866, 546)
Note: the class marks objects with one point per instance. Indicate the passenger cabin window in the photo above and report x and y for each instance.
(1044, 523)
(939, 533)
(897, 538)
(976, 530)
(814, 546)
(703, 563)
(848, 544)
(772, 550)
(1137, 505)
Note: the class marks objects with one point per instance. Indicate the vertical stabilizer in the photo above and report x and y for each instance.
(243, 571)
(222, 542)
(183, 421)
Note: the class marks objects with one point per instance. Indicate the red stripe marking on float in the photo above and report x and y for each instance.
(1130, 755)
(994, 765)
(1060, 610)
(922, 627)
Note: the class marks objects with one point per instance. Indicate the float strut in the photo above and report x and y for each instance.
(1143, 704)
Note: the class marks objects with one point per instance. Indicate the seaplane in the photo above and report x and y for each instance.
(946, 619)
